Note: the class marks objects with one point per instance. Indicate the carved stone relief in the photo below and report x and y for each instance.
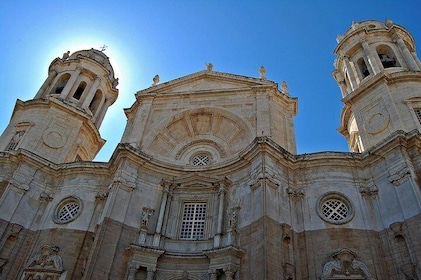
(45, 264)
(345, 264)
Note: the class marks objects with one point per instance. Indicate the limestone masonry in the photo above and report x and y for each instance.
(206, 182)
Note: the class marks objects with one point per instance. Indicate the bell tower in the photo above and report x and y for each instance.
(379, 75)
(62, 122)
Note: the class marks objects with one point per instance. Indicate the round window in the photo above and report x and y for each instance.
(335, 208)
(67, 210)
(201, 160)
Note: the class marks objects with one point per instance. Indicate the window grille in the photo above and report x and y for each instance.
(335, 210)
(67, 210)
(193, 225)
(201, 160)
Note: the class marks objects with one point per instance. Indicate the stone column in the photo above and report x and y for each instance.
(45, 85)
(351, 74)
(70, 83)
(213, 275)
(414, 55)
(157, 236)
(150, 274)
(132, 272)
(371, 58)
(99, 116)
(340, 79)
(409, 59)
(217, 238)
(229, 274)
(91, 93)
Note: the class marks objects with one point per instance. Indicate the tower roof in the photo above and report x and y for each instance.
(95, 55)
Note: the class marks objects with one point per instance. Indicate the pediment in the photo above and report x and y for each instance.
(198, 181)
(207, 81)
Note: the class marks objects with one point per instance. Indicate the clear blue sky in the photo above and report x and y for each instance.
(294, 40)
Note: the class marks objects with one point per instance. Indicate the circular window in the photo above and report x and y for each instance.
(335, 208)
(67, 210)
(201, 160)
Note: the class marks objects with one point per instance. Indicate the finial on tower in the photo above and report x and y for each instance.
(209, 66)
(262, 72)
(66, 55)
(155, 80)
(284, 87)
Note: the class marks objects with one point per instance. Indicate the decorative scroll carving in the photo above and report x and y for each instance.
(369, 190)
(400, 177)
(101, 195)
(45, 264)
(344, 264)
(295, 193)
(45, 197)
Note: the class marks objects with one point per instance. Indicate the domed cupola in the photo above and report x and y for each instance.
(62, 122)
(378, 73)
(84, 80)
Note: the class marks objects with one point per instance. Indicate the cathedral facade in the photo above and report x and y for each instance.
(206, 182)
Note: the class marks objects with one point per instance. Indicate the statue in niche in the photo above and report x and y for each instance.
(146, 213)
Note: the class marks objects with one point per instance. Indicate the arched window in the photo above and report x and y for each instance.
(14, 142)
(79, 91)
(362, 66)
(387, 56)
(96, 101)
(61, 83)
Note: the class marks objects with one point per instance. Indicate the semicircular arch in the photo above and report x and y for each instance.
(211, 128)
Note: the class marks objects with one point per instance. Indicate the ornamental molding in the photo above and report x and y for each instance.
(19, 186)
(345, 266)
(197, 181)
(261, 178)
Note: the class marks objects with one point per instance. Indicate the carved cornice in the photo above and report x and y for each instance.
(18, 186)
(400, 177)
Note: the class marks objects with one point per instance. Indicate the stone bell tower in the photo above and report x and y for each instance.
(379, 75)
(62, 122)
